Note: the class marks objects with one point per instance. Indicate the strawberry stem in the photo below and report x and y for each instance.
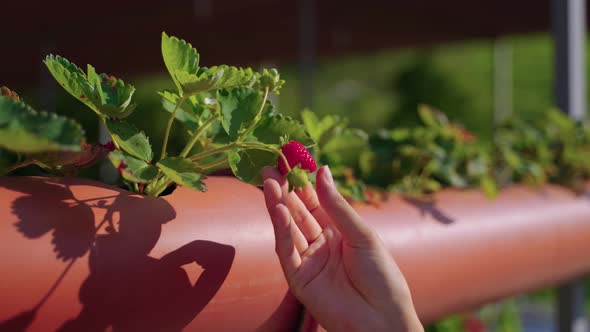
(245, 146)
(285, 161)
(214, 164)
(211, 152)
(104, 122)
(169, 126)
(17, 166)
(197, 134)
(256, 118)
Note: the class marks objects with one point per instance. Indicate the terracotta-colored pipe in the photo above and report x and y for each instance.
(463, 250)
(202, 262)
(457, 252)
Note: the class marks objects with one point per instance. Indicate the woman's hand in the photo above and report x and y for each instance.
(335, 264)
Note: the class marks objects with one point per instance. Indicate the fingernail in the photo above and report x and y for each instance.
(328, 175)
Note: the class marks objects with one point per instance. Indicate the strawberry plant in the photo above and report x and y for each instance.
(552, 148)
(426, 158)
(224, 109)
(339, 146)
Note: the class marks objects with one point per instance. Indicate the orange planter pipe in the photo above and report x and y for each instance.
(462, 250)
(458, 251)
(202, 262)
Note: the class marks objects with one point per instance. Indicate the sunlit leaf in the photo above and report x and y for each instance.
(247, 165)
(133, 169)
(24, 130)
(238, 109)
(179, 57)
(106, 95)
(131, 139)
(272, 128)
(182, 171)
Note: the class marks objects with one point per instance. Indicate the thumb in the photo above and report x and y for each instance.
(354, 230)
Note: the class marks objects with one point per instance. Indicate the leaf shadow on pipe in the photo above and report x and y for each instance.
(428, 207)
(126, 289)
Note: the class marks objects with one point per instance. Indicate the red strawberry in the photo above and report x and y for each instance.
(296, 154)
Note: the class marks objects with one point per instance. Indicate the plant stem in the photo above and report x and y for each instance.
(104, 122)
(169, 126)
(242, 145)
(17, 166)
(214, 164)
(136, 187)
(161, 183)
(211, 152)
(256, 118)
(197, 134)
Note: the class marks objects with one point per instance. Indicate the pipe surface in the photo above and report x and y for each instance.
(207, 262)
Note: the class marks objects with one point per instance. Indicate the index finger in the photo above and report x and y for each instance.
(309, 197)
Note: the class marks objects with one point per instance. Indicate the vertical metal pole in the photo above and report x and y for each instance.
(307, 50)
(570, 312)
(569, 30)
(569, 24)
(502, 72)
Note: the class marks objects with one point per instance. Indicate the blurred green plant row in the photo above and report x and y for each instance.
(437, 154)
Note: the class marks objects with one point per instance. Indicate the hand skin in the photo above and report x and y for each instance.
(334, 263)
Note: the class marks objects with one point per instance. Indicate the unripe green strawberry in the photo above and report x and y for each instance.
(296, 154)
(297, 178)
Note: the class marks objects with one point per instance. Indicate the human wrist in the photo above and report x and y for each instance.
(386, 322)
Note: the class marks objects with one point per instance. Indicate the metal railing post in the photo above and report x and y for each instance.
(569, 28)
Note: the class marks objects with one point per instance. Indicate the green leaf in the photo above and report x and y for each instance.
(130, 139)
(214, 78)
(133, 169)
(431, 118)
(24, 130)
(319, 129)
(233, 159)
(71, 160)
(247, 165)
(345, 148)
(273, 127)
(488, 186)
(114, 96)
(72, 79)
(179, 57)
(238, 109)
(184, 114)
(400, 134)
(354, 191)
(106, 95)
(182, 171)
